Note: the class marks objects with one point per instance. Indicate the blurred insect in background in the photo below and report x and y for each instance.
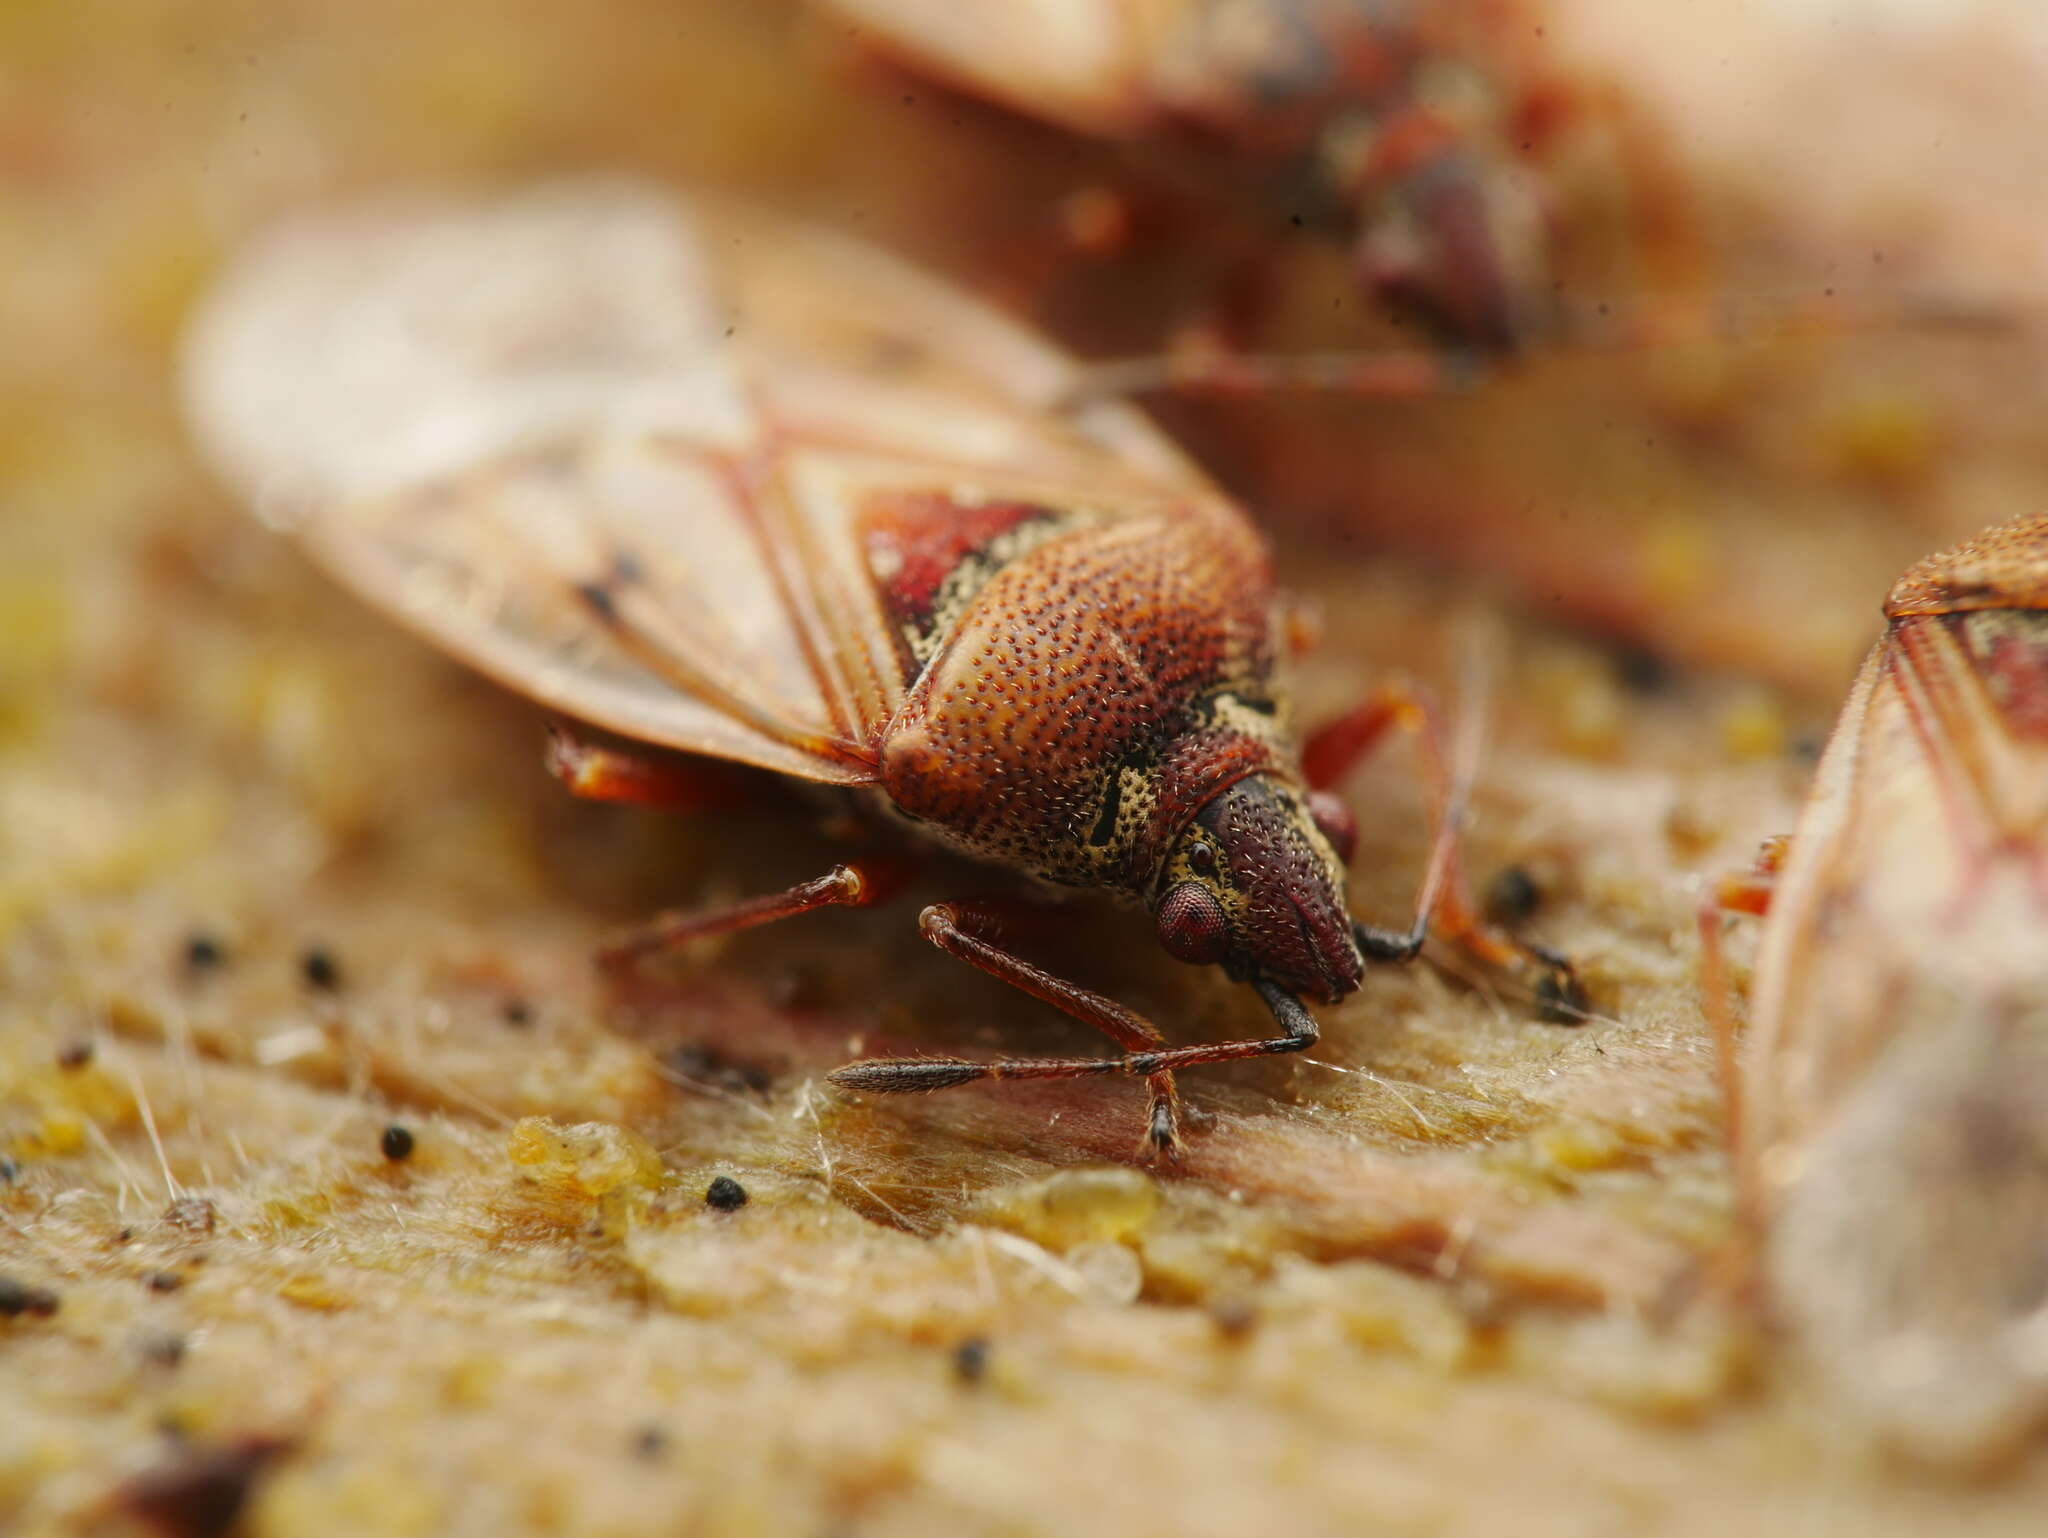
(1413, 131)
(1890, 1107)
(1488, 175)
(724, 484)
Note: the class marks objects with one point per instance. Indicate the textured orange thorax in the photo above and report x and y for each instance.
(1092, 694)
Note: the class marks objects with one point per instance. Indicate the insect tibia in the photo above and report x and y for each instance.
(906, 1075)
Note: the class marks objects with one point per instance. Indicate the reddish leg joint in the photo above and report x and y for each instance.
(1749, 892)
(1335, 749)
(596, 772)
(856, 884)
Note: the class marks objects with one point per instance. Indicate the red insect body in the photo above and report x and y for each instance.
(771, 497)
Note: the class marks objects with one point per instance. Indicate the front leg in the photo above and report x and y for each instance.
(1443, 909)
(1748, 892)
(970, 931)
(965, 930)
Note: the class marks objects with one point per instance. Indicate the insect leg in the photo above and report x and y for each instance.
(1443, 908)
(1096, 223)
(1750, 891)
(1747, 892)
(1392, 374)
(1336, 748)
(969, 930)
(599, 772)
(856, 884)
(891, 1075)
(1208, 355)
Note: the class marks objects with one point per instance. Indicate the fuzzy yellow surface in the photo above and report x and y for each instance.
(275, 879)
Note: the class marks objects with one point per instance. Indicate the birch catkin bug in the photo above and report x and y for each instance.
(1888, 1110)
(1405, 128)
(722, 483)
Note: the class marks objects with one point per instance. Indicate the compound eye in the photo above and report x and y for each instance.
(1336, 822)
(1192, 926)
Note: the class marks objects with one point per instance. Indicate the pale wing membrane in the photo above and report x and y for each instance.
(1916, 859)
(614, 450)
(566, 577)
(513, 424)
(1993, 766)
(875, 380)
(1893, 1089)
(1789, 1085)
(846, 345)
(1078, 62)
(1847, 934)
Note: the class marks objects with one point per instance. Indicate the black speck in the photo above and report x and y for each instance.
(1807, 747)
(970, 1359)
(396, 1143)
(1296, 220)
(320, 969)
(204, 953)
(725, 1194)
(1641, 671)
(74, 1055)
(163, 1281)
(650, 1444)
(18, 1298)
(9, 1171)
(1112, 807)
(164, 1349)
(1512, 895)
(518, 1012)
